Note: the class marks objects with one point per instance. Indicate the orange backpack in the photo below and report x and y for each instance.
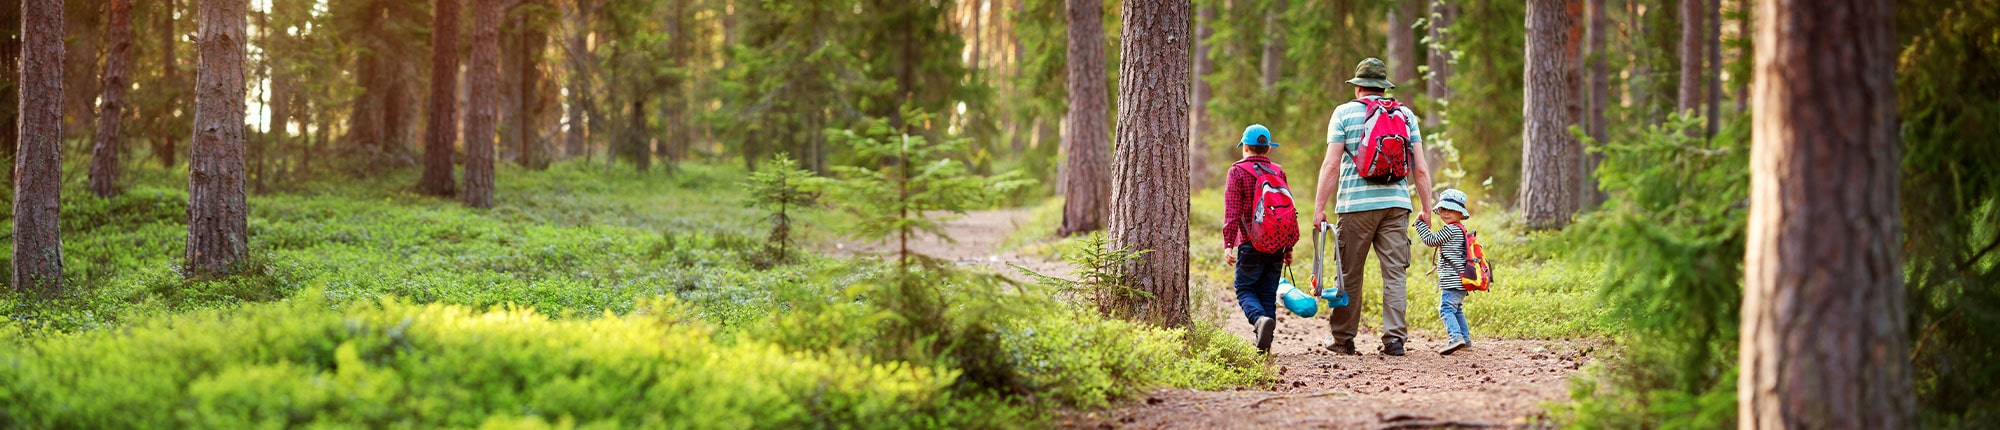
(1477, 275)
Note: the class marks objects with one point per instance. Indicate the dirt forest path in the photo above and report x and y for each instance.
(1494, 384)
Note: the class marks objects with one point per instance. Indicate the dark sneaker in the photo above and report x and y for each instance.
(1264, 327)
(1343, 348)
(1452, 347)
(1392, 346)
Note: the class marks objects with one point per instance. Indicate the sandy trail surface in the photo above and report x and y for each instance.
(1494, 384)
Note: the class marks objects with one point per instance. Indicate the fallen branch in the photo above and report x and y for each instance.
(1261, 402)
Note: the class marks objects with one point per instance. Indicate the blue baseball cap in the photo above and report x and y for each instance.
(1256, 135)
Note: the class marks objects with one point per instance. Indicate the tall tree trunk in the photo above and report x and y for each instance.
(636, 136)
(1692, 29)
(1743, 31)
(578, 53)
(10, 64)
(1598, 100)
(1085, 183)
(507, 146)
(1403, 42)
(1274, 45)
(483, 73)
(165, 149)
(1549, 153)
(111, 107)
(1824, 334)
(1149, 199)
(978, 28)
(1714, 79)
(1441, 15)
(533, 102)
(38, 165)
(217, 213)
(443, 124)
(1198, 128)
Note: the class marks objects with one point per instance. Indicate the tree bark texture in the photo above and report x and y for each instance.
(1403, 43)
(1824, 334)
(1689, 102)
(217, 213)
(443, 119)
(578, 53)
(534, 99)
(1085, 183)
(1199, 130)
(38, 164)
(1713, 34)
(1274, 45)
(1149, 199)
(483, 74)
(1550, 155)
(1598, 99)
(111, 106)
(1439, 81)
(167, 149)
(10, 64)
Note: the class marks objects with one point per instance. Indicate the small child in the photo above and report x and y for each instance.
(1257, 272)
(1450, 243)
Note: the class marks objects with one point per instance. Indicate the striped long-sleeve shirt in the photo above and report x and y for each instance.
(1450, 243)
(1347, 127)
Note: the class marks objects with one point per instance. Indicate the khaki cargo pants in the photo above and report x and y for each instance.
(1387, 231)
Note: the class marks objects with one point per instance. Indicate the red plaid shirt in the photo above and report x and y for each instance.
(1240, 200)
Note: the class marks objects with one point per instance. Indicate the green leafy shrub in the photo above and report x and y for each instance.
(915, 177)
(1673, 233)
(390, 363)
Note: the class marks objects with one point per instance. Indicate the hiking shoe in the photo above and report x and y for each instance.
(1343, 348)
(1392, 346)
(1264, 327)
(1452, 347)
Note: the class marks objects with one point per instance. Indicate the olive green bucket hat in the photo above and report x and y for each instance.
(1372, 73)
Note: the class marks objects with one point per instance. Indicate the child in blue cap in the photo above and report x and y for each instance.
(1450, 243)
(1259, 227)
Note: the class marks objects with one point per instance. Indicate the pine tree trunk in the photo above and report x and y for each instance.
(10, 64)
(978, 28)
(1714, 79)
(1403, 43)
(1743, 31)
(111, 106)
(1274, 45)
(1440, 66)
(579, 76)
(217, 213)
(166, 149)
(534, 154)
(1149, 199)
(1199, 176)
(439, 133)
(38, 164)
(1689, 102)
(483, 74)
(1598, 101)
(1550, 157)
(1824, 333)
(1085, 183)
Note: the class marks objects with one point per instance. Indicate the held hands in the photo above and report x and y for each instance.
(1424, 217)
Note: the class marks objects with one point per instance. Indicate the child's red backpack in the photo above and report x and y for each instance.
(1274, 224)
(1477, 275)
(1385, 156)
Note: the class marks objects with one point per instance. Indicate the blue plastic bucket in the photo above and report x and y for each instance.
(1298, 302)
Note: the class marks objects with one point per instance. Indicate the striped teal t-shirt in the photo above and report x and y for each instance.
(1348, 126)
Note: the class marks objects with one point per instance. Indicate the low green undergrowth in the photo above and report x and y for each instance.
(588, 297)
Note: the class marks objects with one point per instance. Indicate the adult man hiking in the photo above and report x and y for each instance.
(1373, 200)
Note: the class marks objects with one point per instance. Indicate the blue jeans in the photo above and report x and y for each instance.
(1451, 306)
(1257, 277)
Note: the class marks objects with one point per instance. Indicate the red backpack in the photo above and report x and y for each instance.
(1386, 153)
(1274, 224)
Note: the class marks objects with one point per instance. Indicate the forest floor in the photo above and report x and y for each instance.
(1496, 383)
